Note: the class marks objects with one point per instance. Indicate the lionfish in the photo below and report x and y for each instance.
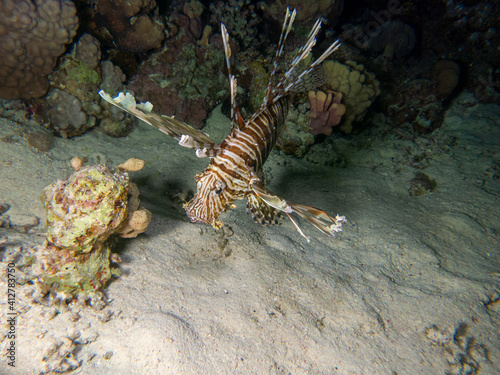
(235, 164)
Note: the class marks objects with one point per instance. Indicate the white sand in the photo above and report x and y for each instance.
(408, 288)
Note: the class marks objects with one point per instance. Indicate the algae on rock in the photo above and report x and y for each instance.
(82, 213)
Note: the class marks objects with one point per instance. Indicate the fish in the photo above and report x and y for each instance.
(235, 166)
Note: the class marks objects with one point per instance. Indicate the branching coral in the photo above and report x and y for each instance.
(32, 35)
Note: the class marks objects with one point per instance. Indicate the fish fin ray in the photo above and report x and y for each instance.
(186, 135)
(291, 81)
(236, 119)
(319, 219)
(261, 211)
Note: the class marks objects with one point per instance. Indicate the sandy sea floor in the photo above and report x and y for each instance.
(411, 286)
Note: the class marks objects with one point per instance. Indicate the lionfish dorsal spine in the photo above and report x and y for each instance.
(289, 81)
(285, 30)
(236, 119)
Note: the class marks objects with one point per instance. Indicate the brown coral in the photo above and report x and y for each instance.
(138, 217)
(32, 35)
(358, 87)
(447, 75)
(131, 165)
(306, 10)
(326, 111)
(132, 24)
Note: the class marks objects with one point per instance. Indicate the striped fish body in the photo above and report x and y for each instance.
(230, 173)
(258, 136)
(234, 166)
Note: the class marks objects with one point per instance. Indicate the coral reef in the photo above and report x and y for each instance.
(82, 213)
(461, 32)
(447, 76)
(393, 40)
(66, 114)
(32, 36)
(306, 10)
(415, 103)
(132, 25)
(185, 78)
(72, 103)
(240, 17)
(358, 87)
(326, 111)
(296, 137)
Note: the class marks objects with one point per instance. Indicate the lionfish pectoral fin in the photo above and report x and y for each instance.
(186, 135)
(321, 220)
(275, 202)
(261, 211)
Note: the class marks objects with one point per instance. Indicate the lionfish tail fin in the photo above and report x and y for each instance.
(321, 220)
(186, 135)
(291, 81)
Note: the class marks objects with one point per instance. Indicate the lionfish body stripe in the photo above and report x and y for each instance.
(235, 164)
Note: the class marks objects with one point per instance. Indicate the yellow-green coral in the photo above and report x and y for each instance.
(77, 276)
(85, 208)
(78, 79)
(82, 212)
(359, 89)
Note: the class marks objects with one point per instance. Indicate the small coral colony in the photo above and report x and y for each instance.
(176, 57)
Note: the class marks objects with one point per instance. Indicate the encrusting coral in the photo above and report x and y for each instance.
(32, 35)
(240, 17)
(82, 213)
(66, 114)
(72, 103)
(358, 87)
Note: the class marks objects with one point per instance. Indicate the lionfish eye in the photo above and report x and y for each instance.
(218, 187)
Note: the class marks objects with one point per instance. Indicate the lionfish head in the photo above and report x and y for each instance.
(211, 199)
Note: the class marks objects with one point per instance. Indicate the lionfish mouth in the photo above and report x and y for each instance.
(199, 220)
(196, 215)
(199, 217)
